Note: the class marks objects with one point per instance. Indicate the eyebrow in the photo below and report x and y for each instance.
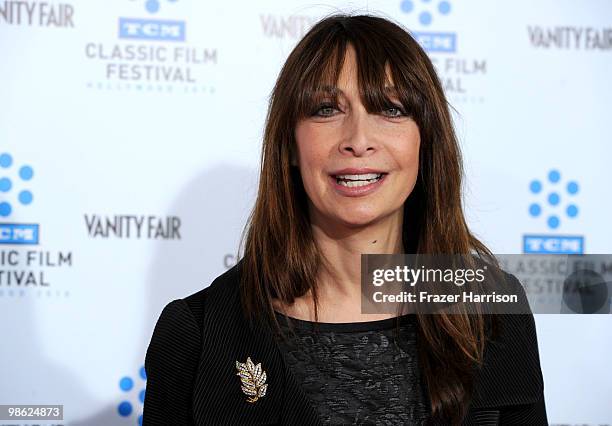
(336, 89)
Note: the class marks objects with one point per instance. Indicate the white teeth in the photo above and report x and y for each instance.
(365, 176)
(358, 180)
(352, 184)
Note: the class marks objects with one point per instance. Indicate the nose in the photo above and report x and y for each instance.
(357, 137)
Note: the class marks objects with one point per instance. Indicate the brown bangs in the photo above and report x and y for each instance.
(381, 84)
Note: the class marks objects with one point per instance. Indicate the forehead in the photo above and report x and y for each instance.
(348, 80)
(348, 72)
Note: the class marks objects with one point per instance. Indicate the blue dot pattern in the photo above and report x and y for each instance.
(444, 7)
(554, 199)
(5, 160)
(572, 210)
(554, 176)
(5, 209)
(153, 6)
(125, 409)
(24, 196)
(407, 6)
(535, 210)
(26, 173)
(535, 186)
(5, 184)
(126, 384)
(425, 16)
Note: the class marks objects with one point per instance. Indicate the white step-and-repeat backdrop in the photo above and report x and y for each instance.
(130, 133)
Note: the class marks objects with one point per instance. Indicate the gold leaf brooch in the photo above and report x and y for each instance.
(253, 379)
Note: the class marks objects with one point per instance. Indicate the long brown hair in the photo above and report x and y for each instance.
(280, 257)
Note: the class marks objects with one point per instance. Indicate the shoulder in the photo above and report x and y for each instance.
(222, 291)
(181, 320)
(176, 347)
(186, 315)
(176, 335)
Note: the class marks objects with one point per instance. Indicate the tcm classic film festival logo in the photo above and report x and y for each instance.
(23, 264)
(151, 52)
(428, 21)
(553, 203)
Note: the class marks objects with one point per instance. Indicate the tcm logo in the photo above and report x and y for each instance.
(438, 42)
(553, 245)
(132, 392)
(152, 29)
(18, 233)
(556, 204)
(13, 195)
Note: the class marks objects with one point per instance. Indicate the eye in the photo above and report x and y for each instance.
(394, 111)
(324, 110)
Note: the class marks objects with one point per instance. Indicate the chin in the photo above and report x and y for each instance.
(357, 219)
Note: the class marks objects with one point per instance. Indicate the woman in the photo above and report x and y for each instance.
(359, 156)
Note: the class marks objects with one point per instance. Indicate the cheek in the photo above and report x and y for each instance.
(312, 155)
(304, 145)
(406, 151)
(412, 158)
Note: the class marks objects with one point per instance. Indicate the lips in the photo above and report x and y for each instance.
(356, 171)
(354, 182)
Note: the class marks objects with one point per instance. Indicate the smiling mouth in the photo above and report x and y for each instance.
(352, 181)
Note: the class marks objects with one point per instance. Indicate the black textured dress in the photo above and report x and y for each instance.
(192, 379)
(357, 373)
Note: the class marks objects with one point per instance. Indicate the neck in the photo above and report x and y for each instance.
(342, 246)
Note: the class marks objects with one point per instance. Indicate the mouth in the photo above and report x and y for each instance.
(358, 180)
(357, 184)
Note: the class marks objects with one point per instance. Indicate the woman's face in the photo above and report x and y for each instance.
(343, 150)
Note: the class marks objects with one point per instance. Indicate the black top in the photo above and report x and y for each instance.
(359, 372)
(192, 375)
